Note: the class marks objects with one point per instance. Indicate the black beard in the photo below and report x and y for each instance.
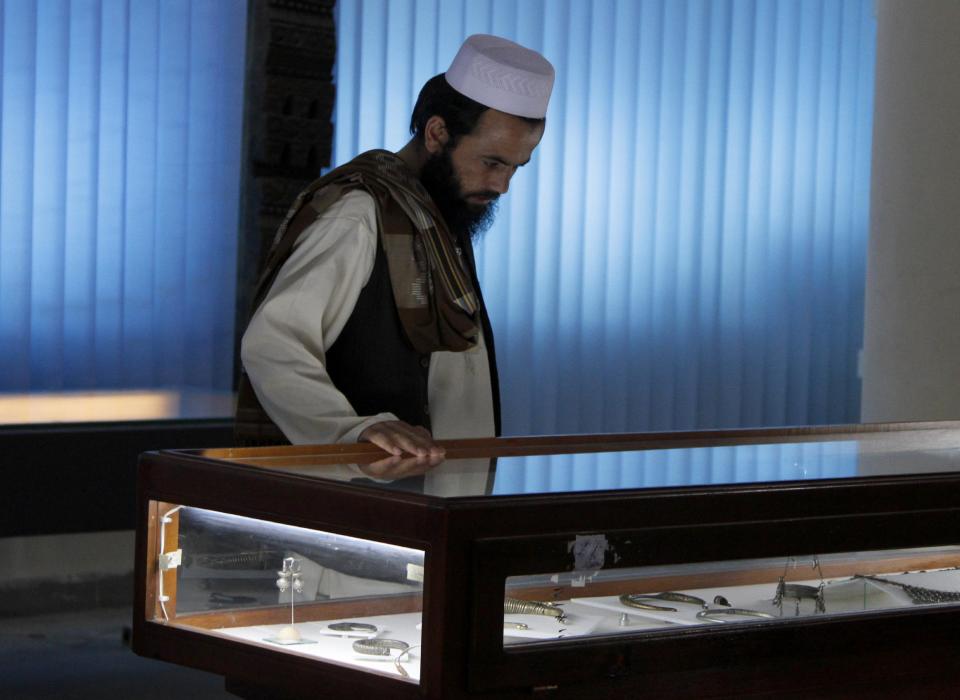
(463, 218)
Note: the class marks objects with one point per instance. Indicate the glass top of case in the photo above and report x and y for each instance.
(570, 464)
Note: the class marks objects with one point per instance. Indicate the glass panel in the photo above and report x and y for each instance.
(756, 591)
(796, 458)
(121, 132)
(318, 594)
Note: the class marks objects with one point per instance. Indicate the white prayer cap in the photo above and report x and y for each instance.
(502, 75)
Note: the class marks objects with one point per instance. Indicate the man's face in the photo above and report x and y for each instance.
(465, 181)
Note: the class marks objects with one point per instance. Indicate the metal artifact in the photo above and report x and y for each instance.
(631, 600)
(352, 627)
(635, 600)
(515, 606)
(290, 579)
(290, 576)
(918, 594)
(799, 591)
(515, 625)
(399, 666)
(725, 614)
(379, 647)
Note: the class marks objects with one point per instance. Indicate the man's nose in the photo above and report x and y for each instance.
(500, 182)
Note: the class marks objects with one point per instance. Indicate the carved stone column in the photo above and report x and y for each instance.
(288, 134)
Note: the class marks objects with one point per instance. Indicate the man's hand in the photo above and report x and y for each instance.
(396, 467)
(399, 438)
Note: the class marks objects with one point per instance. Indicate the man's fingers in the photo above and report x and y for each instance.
(395, 467)
(397, 438)
(434, 449)
(381, 440)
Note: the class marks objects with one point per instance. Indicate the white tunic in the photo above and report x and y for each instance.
(313, 296)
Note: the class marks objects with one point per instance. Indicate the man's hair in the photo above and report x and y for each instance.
(459, 112)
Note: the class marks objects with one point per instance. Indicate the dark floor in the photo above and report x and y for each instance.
(83, 655)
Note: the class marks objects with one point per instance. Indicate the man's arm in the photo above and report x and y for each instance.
(284, 347)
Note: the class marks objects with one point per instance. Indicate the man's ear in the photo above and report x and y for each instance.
(435, 135)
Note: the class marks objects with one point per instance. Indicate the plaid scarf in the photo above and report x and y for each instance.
(435, 297)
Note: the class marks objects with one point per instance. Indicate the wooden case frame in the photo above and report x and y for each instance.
(473, 544)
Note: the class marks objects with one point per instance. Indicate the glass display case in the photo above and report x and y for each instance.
(674, 565)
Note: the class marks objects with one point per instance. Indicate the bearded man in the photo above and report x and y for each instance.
(369, 322)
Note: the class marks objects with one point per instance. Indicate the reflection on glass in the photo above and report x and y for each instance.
(680, 467)
(230, 560)
(792, 458)
(306, 591)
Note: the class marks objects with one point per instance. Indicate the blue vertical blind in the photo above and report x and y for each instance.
(120, 129)
(687, 247)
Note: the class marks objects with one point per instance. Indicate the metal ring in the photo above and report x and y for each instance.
(719, 615)
(379, 647)
(633, 600)
(352, 627)
(398, 665)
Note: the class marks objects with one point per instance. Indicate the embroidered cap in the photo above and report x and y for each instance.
(502, 75)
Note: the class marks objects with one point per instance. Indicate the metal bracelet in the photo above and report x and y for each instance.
(379, 647)
(669, 596)
(397, 664)
(634, 600)
(720, 615)
(352, 627)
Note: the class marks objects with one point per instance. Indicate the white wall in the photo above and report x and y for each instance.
(911, 360)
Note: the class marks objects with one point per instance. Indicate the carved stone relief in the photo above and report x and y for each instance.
(288, 134)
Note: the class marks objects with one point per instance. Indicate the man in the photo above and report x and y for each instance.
(369, 323)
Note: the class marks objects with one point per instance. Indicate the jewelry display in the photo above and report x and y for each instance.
(396, 662)
(632, 600)
(917, 594)
(290, 579)
(379, 647)
(629, 600)
(722, 614)
(515, 606)
(352, 627)
(799, 591)
(679, 598)
(635, 600)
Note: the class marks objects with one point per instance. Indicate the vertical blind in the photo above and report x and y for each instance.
(687, 247)
(120, 130)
